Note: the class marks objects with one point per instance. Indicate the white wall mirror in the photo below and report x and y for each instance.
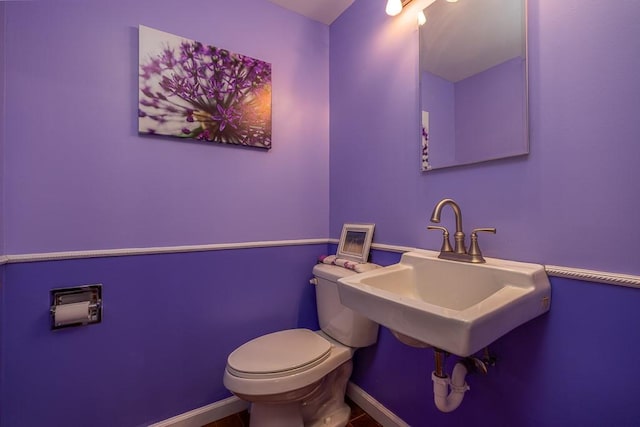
(473, 82)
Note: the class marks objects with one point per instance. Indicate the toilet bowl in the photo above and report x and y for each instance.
(298, 377)
(303, 372)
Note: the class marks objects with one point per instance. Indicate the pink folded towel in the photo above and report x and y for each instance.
(351, 265)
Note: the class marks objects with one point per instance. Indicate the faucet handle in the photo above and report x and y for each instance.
(474, 248)
(487, 229)
(446, 245)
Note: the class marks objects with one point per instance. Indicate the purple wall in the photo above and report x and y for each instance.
(3, 322)
(169, 323)
(2, 127)
(575, 365)
(571, 202)
(491, 113)
(2, 121)
(78, 176)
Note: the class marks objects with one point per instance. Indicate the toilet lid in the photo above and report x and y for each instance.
(279, 352)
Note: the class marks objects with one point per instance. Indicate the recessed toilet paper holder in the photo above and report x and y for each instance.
(76, 306)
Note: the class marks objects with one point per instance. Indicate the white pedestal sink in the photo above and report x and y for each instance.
(454, 306)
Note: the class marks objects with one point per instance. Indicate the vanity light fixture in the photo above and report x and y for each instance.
(394, 7)
(422, 19)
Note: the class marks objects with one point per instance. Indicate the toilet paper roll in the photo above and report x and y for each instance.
(72, 313)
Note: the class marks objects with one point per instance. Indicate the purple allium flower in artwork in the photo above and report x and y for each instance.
(191, 90)
(226, 116)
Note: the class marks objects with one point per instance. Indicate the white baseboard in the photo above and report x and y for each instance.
(374, 408)
(206, 414)
(232, 405)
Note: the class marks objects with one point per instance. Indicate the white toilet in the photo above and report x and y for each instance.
(298, 377)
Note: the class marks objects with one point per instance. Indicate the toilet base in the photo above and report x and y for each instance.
(324, 407)
(276, 415)
(338, 418)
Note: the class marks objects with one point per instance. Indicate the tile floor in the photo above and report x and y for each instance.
(359, 418)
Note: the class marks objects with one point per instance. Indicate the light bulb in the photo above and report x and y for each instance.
(394, 7)
(421, 18)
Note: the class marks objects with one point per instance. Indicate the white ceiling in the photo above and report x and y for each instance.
(325, 11)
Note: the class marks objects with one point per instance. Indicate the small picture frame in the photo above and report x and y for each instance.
(355, 242)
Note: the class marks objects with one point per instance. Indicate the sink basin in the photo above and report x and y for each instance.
(454, 306)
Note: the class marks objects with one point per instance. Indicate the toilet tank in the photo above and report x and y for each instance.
(336, 320)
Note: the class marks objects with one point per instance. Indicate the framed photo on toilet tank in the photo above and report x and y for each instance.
(355, 242)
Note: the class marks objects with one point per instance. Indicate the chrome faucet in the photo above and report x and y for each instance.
(459, 236)
(459, 251)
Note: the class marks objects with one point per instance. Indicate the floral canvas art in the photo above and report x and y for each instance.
(195, 91)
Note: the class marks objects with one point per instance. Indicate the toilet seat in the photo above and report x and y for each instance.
(280, 353)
